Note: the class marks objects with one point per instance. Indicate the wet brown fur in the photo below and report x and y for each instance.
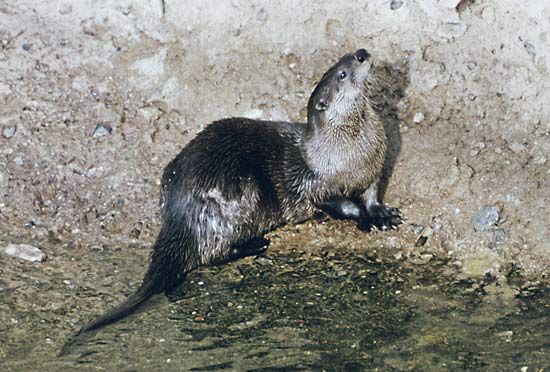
(240, 178)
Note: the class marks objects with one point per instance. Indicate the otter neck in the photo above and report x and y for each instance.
(343, 146)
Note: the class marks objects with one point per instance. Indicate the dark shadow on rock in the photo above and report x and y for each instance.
(392, 81)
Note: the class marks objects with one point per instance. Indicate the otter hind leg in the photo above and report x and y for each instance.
(378, 215)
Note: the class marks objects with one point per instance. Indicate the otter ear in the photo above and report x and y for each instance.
(322, 102)
(321, 105)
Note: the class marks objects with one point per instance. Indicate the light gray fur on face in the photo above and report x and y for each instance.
(348, 92)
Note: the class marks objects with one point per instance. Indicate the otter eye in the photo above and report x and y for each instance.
(361, 58)
(343, 75)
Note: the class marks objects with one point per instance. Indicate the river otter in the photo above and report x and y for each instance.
(240, 178)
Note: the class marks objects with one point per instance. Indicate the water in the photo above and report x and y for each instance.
(308, 311)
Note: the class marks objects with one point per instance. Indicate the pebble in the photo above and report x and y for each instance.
(263, 261)
(505, 334)
(427, 231)
(9, 131)
(254, 114)
(416, 228)
(396, 4)
(485, 218)
(102, 130)
(418, 118)
(530, 48)
(29, 224)
(499, 235)
(539, 159)
(426, 257)
(19, 161)
(517, 147)
(25, 252)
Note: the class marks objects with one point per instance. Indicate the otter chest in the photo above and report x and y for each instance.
(346, 167)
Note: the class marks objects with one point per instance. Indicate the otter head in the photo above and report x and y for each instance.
(340, 91)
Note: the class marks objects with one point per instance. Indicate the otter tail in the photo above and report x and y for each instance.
(174, 255)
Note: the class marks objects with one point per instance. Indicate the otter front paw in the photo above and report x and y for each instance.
(381, 217)
(253, 247)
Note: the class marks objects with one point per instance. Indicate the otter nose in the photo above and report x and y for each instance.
(362, 55)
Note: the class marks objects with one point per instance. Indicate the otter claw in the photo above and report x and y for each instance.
(381, 218)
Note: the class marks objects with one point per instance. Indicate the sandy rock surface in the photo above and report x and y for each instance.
(96, 98)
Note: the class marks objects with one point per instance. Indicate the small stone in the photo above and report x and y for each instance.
(4, 89)
(9, 131)
(530, 48)
(416, 228)
(485, 218)
(264, 261)
(498, 236)
(254, 114)
(262, 15)
(25, 252)
(396, 4)
(427, 231)
(505, 334)
(29, 224)
(19, 161)
(471, 66)
(426, 257)
(418, 118)
(517, 147)
(26, 47)
(102, 130)
(119, 203)
(539, 159)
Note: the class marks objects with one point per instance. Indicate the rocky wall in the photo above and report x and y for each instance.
(96, 98)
